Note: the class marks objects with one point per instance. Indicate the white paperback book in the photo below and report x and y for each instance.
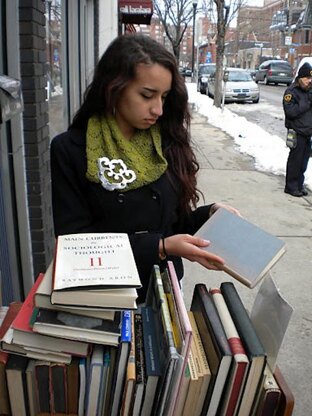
(94, 260)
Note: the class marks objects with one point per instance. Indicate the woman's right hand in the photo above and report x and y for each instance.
(191, 248)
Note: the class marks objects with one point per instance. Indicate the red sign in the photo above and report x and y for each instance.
(134, 11)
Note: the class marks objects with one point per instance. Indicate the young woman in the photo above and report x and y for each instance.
(126, 163)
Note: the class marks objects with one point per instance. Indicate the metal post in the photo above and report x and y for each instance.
(193, 39)
(50, 40)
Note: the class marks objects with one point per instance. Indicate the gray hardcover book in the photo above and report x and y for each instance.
(249, 252)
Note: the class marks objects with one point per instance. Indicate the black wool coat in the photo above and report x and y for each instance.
(145, 214)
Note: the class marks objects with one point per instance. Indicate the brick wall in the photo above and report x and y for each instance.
(36, 131)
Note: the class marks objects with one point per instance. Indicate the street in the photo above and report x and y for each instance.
(268, 112)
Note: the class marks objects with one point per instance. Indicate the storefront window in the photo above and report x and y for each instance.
(55, 85)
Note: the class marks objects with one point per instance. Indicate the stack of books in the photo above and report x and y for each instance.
(63, 354)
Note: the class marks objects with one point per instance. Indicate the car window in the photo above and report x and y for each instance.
(282, 66)
(263, 66)
(206, 69)
(238, 76)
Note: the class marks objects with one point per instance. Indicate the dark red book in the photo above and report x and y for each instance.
(238, 371)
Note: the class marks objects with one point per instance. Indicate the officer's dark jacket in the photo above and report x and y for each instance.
(297, 105)
(146, 214)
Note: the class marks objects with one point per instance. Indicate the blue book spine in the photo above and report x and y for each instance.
(126, 326)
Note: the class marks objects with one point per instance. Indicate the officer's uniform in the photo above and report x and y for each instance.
(297, 104)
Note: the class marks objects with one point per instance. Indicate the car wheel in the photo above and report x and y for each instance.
(202, 90)
(256, 100)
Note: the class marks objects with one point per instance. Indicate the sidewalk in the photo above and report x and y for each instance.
(230, 177)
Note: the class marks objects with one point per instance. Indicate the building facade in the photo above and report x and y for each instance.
(50, 47)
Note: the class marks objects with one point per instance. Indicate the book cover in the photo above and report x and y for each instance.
(17, 385)
(58, 387)
(249, 252)
(42, 299)
(239, 368)
(94, 260)
(31, 388)
(32, 352)
(73, 386)
(94, 384)
(269, 395)
(181, 325)
(252, 345)
(270, 316)
(151, 357)
(287, 400)
(111, 372)
(128, 393)
(139, 365)
(95, 299)
(11, 314)
(24, 335)
(76, 327)
(105, 379)
(217, 349)
(8, 345)
(193, 388)
(121, 363)
(169, 356)
(183, 390)
(201, 363)
(82, 385)
(42, 374)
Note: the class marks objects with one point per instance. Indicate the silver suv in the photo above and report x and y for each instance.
(204, 72)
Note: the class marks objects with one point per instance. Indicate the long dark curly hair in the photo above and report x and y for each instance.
(113, 72)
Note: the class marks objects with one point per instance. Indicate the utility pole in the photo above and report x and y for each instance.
(193, 39)
(289, 32)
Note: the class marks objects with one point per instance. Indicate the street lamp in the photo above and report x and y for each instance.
(193, 40)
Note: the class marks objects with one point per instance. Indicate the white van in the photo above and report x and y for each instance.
(303, 61)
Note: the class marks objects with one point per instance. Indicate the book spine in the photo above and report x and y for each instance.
(58, 387)
(139, 351)
(126, 326)
(241, 320)
(131, 373)
(43, 386)
(160, 295)
(151, 351)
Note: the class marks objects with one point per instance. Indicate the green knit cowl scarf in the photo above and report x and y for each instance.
(121, 164)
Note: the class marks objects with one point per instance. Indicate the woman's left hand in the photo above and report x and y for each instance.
(191, 248)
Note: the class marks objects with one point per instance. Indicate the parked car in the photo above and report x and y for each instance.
(185, 72)
(240, 86)
(275, 72)
(204, 72)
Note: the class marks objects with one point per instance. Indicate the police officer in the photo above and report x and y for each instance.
(297, 104)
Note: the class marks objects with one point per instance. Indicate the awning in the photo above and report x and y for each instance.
(135, 11)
